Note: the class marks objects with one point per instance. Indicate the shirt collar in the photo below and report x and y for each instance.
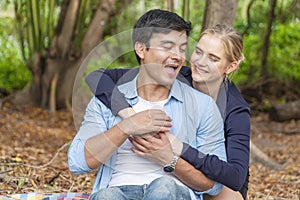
(129, 90)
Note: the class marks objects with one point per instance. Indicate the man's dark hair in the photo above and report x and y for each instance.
(157, 21)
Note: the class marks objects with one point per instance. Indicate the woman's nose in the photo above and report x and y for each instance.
(201, 60)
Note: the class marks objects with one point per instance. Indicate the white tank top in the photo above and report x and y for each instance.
(131, 169)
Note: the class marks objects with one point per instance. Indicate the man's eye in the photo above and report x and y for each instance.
(167, 47)
(182, 50)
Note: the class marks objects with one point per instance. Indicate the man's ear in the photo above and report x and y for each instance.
(140, 49)
(231, 67)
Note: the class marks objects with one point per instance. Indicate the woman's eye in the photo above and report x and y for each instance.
(214, 59)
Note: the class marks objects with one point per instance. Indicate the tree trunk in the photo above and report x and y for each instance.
(219, 11)
(170, 5)
(248, 17)
(266, 44)
(186, 9)
(60, 63)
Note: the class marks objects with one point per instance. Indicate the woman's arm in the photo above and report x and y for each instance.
(102, 82)
(234, 171)
(159, 148)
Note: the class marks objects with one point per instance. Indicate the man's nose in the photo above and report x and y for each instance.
(178, 55)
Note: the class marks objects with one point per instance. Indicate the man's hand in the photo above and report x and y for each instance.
(156, 148)
(146, 122)
(126, 112)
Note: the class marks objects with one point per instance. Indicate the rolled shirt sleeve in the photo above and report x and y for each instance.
(93, 124)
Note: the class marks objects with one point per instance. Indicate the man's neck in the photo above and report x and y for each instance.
(152, 92)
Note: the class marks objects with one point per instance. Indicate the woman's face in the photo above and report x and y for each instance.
(208, 61)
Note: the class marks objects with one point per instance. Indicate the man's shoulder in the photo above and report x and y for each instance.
(194, 100)
(95, 105)
(190, 90)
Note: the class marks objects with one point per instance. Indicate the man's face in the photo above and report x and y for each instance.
(165, 57)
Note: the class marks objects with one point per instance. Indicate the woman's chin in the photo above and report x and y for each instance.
(198, 78)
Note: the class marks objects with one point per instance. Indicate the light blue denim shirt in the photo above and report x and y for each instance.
(196, 120)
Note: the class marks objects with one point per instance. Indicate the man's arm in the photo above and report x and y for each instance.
(100, 147)
(191, 176)
(95, 142)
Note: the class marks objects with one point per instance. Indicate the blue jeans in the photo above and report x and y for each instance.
(163, 188)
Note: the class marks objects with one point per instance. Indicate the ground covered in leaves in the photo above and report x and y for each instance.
(34, 143)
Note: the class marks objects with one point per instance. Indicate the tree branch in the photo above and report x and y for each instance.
(248, 17)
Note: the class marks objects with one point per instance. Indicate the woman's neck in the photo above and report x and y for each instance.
(211, 89)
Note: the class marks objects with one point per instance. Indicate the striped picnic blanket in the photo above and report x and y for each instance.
(41, 196)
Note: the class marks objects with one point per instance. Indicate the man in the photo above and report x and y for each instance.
(162, 105)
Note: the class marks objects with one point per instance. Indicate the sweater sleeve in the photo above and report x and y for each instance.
(234, 171)
(103, 83)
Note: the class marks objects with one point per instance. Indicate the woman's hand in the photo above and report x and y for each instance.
(177, 145)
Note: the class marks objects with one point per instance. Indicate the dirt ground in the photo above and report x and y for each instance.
(34, 145)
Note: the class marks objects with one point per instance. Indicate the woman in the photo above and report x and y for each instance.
(218, 53)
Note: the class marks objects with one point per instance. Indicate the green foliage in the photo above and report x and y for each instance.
(196, 17)
(120, 43)
(13, 73)
(86, 12)
(128, 17)
(114, 52)
(279, 64)
(284, 57)
(251, 64)
(288, 11)
(35, 25)
(283, 61)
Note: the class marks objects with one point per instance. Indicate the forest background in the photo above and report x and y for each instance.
(46, 52)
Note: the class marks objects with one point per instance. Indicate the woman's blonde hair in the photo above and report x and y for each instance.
(232, 41)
